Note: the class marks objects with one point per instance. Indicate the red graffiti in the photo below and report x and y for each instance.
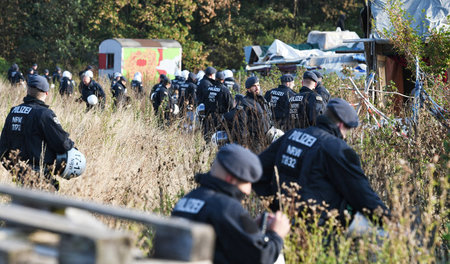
(141, 62)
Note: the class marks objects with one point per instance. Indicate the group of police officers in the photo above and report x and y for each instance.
(312, 153)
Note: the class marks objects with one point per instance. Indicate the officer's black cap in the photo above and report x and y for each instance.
(310, 75)
(210, 70)
(192, 76)
(318, 74)
(240, 162)
(89, 67)
(344, 111)
(287, 78)
(122, 78)
(38, 82)
(251, 81)
(220, 76)
(164, 79)
(35, 64)
(46, 71)
(58, 68)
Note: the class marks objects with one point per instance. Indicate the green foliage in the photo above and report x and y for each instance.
(4, 66)
(433, 50)
(67, 33)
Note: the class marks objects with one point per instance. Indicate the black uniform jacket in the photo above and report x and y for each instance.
(217, 99)
(92, 88)
(278, 100)
(321, 162)
(232, 85)
(65, 86)
(305, 107)
(238, 238)
(31, 127)
(322, 91)
(202, 87)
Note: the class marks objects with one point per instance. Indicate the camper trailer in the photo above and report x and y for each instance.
(150, 57)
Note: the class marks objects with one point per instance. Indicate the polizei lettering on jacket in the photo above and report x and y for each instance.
(277, 93)
(189, 205)
(302, 138)
(293, 150)
(21, 109)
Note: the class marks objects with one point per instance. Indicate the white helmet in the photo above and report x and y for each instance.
(219, 138)
(89, 73)
(200, 110)
(67, 74)
(138, 77)
(185, 74)
(200, 75)
(176, 109)
(228, 73)
(117, 74)
(75, 163)
(92, 99)
(274, 133)
(178, 73)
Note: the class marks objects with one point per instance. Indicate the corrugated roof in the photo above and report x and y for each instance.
(168, 43)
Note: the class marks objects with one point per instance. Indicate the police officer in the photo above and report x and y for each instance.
(88, 68)
(30, 73)
(119, 91)
(161, 98)
(249, 121)
(47, 75)
(320, 161)
(91, 92)
(115, 78)
(217, 101)
(35, 69)
(278, 99)
(163, 79)
(230, 82)
(307, 105)
(320, 89)
(187, 99)
(14, 75)
(218, 202)
(179, 79)
(56, 78)
(136, 84)
(32, 128)
(206, 82)
(66, 84)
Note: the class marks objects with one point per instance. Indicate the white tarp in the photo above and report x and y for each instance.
(332, 39)
(423, 14)
(280, 51)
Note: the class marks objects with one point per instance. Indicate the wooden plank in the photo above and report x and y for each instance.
(15, 252)
(79, 243)
(175, 238)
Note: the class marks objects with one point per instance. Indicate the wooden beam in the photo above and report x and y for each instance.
(177, 239)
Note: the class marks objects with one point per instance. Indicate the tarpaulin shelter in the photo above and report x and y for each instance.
(424, 16)
(319, 52)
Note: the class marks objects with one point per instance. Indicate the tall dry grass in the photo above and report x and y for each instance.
(131, 160)
(135, 161)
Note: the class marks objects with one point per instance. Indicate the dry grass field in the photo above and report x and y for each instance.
(134, 161)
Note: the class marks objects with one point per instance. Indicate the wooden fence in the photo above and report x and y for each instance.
(77, 237)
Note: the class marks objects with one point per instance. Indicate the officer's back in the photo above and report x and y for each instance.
(307, 105)
(278, 99)
(218, 98)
